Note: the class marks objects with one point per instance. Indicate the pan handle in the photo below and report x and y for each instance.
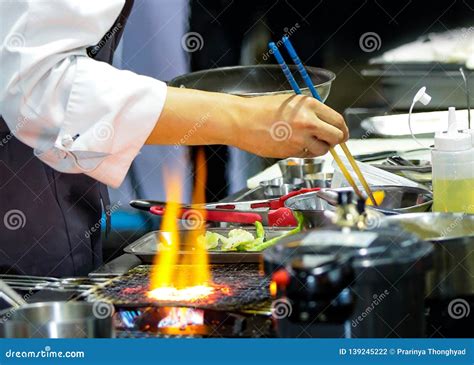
(143, 204)
(11, 296)
(214, 215)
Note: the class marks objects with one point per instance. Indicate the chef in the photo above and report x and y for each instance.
(71, 124)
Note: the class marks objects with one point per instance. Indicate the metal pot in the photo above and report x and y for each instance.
(453, 237)
(255, 80)
(390, 268)
(54, 319)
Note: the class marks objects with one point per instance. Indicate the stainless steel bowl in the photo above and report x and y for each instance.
(398, 199)
(254, 80)
(277, 187)
(318, 180)
(300, 168)
(453, 237)
(316, 211)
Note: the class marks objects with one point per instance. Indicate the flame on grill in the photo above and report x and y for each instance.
(182, 317)
(182, 278)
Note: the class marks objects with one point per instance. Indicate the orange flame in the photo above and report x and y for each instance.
(185, 277)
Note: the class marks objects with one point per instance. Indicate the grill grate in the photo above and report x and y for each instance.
(247, 285)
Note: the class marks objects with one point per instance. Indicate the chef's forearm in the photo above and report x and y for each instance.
(192, 117)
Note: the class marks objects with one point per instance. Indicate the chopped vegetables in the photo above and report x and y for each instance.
(210, 240)
(241, 240)
(236, 237)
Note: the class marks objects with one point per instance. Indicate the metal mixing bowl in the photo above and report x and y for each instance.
(254, 80)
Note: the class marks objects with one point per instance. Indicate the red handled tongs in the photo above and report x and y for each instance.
(271, 212)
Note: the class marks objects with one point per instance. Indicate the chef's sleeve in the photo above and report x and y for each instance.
(78, 114)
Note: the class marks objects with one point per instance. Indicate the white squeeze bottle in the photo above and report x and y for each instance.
(453, 169)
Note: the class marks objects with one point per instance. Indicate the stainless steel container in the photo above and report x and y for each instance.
(398, 199)
(318, 180)
(452, 235)
(299, 168)
(54, 319)
(277, 187)
(316, 211)
(57, 320)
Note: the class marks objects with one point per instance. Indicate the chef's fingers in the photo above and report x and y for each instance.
(315, 147)
(331, 117)
(327, 133)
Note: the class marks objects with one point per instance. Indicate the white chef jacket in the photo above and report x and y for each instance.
(78, 114)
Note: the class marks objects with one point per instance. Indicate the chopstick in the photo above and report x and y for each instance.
(304, 74)
(314, 92)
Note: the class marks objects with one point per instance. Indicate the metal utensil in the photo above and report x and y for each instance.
(10, 295)
(398, 163)
(26, 282)
(271, 212)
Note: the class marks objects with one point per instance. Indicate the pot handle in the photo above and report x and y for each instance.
(11, 296)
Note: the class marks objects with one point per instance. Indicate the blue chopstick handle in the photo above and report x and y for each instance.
(284, 67)
(301, 69)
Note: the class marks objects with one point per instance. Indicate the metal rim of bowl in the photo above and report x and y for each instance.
(302, 161)
(332, 77)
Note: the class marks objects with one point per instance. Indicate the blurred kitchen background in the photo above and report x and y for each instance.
(167, 38)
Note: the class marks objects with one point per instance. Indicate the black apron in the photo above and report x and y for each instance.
(50, 221)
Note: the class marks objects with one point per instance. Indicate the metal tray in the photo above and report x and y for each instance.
(400, 81)
(424, 124)
(146, 247)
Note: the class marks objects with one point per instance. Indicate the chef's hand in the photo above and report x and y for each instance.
(296, 125)
(270, 126)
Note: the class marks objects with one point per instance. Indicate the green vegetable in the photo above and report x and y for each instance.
(210, 240)
(259, 229)
(241, 240)
(235, 238)
(271, 242)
